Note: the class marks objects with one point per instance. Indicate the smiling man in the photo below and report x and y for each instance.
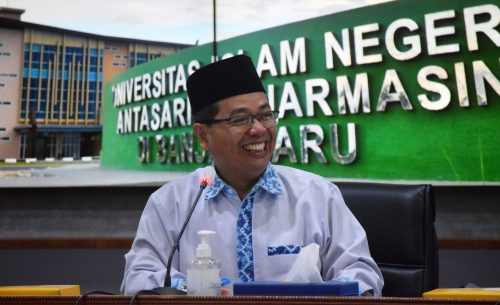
(263, 214)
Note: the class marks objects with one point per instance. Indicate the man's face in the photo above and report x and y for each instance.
(243, 150)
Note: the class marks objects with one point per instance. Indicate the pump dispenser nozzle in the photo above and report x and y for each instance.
(203, 272)
(203, 249)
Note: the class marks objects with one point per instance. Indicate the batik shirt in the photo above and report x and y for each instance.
(290, 209)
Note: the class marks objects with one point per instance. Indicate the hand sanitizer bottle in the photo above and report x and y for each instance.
(203, 272)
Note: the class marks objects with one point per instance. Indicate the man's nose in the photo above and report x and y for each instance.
(256, 126)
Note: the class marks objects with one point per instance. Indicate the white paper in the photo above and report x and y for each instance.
(306, 268)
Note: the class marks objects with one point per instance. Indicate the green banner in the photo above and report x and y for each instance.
(405, 90)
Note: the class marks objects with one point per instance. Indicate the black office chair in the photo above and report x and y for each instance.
(399, 223)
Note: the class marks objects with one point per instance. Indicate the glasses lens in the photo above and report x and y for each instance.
(240, 120)
(266, 116)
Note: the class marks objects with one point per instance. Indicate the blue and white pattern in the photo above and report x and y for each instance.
(268, 182)
(280, 250)
(244, 246)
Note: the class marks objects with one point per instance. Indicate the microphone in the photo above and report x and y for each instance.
(205, 180)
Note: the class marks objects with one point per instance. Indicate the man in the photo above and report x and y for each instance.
(263, 214)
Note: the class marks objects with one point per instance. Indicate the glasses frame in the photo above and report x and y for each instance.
(250, 119)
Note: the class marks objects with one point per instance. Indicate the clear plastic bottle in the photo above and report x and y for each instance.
(203, 272)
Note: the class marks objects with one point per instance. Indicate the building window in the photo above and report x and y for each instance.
(140, 58)
(8, 74)
(59, 145)
(22, 146)
(52, 145)
(67, 107)
(4, 103)
(4, 139)
(72, 145)
(2, 129)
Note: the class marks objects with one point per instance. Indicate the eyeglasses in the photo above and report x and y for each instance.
(267, 118)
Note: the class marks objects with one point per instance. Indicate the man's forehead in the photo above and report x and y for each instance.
(244, 102)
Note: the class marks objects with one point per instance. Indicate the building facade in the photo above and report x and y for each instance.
(51, 85)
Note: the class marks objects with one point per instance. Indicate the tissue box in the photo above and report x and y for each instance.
(331, 288)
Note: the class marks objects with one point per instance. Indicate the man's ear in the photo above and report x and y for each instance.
(200, 131)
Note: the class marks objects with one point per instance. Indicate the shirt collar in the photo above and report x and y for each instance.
(268, 181)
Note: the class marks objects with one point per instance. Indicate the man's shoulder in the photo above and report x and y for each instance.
(291, 173)
(303, 183)
(190, 181)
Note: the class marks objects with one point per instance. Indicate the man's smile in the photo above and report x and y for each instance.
(255, 147)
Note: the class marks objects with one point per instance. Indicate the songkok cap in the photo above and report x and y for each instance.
(225, 78)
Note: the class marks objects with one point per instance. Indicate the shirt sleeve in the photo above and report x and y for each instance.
(145, 263)
(346, 253)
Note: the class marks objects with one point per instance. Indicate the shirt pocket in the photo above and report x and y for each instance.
(282, 250)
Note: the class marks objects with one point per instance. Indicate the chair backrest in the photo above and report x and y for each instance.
(399, 223)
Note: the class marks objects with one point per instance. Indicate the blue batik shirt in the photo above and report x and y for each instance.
(290, 208)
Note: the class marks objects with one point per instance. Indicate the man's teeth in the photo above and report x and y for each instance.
(255, 147)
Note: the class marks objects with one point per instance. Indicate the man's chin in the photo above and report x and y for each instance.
(257, 167)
